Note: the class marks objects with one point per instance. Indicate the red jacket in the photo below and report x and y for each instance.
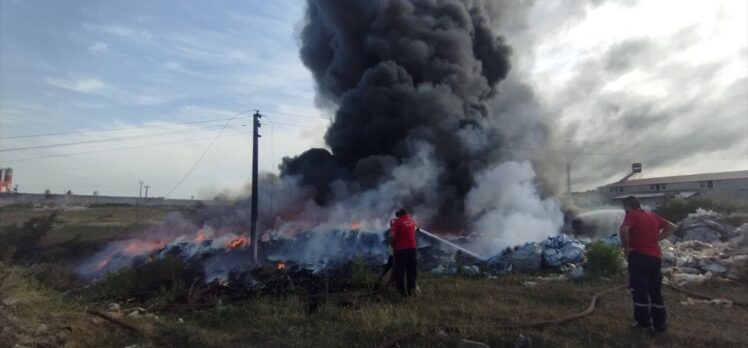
(644, 229)
(404, 232)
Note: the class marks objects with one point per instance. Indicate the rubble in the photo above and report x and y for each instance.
(465, 343)
(500, 264)
(577, 273)
(116, 311)
(682, 279)
(522, 341)
(742, 238)
(699, 251)
(717, 302)
(529, 257)
(704, 226)
(560, 250)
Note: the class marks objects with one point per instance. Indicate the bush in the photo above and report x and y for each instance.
(53, 276)
(359, 271)
(165, 277)
(677, 209)
(603, 260)
(21, 243)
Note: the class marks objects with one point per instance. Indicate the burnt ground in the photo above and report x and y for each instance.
(42, 306)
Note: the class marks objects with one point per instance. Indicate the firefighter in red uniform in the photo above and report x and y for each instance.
(640, 234)
(403, 234)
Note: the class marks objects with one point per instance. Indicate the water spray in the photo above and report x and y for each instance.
(431, 235)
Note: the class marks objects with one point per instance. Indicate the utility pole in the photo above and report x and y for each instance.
(253, 223)
(137, 203)
(145, 203)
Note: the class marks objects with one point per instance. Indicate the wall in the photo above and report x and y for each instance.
(38, 199)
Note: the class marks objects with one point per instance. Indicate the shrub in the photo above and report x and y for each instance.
(164, 277)
(21, 243)
(359, 271)
(603, 260)
(53, 276)
(677, 209)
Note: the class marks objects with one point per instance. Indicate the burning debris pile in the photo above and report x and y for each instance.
(220, 254)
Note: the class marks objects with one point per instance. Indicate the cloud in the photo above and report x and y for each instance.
(174, 66)
(84, 85)
(142, 96)
(118, 30)
(98, 47)
(669, 91)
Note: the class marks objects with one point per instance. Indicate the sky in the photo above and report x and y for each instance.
(147, 90)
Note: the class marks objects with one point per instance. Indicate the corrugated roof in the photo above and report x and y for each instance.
(686, 194)
(741, 174)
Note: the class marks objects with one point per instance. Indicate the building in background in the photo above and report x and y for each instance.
(653, 190)
(6, 179)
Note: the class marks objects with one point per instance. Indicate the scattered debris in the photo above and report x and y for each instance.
(560, 250)
(527, 258)
(704, 226)
(465, 343)
(682, 279)
(717, 302)
(523, 341)
(576, 273)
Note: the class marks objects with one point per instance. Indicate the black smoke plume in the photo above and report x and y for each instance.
(401, 73)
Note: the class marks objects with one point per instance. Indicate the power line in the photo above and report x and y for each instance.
(306, 117)
(115, 149)
(297, 125)
(198, 130)
(112, 129)
(203, 154)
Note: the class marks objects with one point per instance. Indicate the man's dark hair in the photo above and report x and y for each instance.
(631, 202)
(401, 212)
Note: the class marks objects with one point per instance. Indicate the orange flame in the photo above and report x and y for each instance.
(237, 242)
(142, 247)
(102, 264)
(355, 225)
(281, 266)
(200, 236)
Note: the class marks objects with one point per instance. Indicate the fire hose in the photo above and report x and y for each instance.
(130, 328)
(572, 317)
(591, 308)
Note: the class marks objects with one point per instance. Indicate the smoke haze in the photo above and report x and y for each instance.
(419, 108)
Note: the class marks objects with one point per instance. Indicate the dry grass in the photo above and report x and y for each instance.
(94, 216)
(450, 308)
(447, 309)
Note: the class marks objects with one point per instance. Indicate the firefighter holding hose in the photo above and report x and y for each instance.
(403, 234)
(641, 232)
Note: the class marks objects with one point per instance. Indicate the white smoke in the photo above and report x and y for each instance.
(507, 209)
(372, 209)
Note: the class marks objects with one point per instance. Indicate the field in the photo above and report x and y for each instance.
(43, 304)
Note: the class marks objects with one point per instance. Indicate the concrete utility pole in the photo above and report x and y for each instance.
(253, 222)
(137, 203)
(145, 203)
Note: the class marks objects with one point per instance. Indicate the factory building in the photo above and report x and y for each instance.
(723, 184)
